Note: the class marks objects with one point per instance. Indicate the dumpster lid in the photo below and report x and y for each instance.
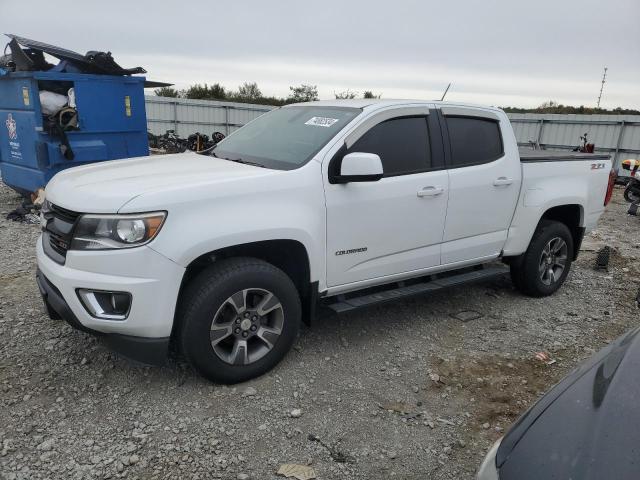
(31, 58)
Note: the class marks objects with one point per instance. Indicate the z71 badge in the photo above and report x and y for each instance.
(597, 166)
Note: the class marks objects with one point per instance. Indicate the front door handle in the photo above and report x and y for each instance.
(502, 181)
(430, 191)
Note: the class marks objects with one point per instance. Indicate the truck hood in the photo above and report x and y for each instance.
(107, 186)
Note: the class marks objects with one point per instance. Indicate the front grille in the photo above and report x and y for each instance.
(58, 243)
(58, 231)
(63, 213)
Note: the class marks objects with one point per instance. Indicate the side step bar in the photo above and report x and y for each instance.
(344, 304)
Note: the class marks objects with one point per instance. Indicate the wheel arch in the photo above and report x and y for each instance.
(571, 215)
(288, 255)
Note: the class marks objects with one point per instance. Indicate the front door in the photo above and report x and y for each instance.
(394, 225)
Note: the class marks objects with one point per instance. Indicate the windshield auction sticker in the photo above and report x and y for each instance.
(321, 121)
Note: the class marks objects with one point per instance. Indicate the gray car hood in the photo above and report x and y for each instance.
(585, 428)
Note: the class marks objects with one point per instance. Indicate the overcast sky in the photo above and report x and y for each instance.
(499, 52)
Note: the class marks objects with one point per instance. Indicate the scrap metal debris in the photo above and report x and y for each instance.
(31, 58)
(28, 55)
(334, 453)
(602, 260)
(170, 142)
(545, 358)
(301, 472)
(467, 315)
(26, 213)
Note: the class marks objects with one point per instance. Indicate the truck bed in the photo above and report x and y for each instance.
(529, 155)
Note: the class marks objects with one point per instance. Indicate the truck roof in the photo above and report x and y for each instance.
(366, 103)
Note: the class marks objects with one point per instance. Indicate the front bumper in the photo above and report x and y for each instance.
(152, 280)
(147, 350)
(488, 469)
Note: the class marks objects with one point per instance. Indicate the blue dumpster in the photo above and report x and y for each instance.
(111, 124)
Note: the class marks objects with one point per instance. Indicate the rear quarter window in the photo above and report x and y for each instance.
(474, 140)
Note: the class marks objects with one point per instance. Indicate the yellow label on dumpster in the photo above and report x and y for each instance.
(25, 96)
(127, 105)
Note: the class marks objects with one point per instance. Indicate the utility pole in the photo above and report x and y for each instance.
(604, 79)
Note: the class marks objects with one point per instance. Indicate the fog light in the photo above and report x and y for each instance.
(106, 305)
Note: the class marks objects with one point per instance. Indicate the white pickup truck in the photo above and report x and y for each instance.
(343, 204)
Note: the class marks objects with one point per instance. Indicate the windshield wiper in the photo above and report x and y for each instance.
(246, 162)
(237, 160)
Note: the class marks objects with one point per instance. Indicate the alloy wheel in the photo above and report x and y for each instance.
(246, 326)
(553, 261)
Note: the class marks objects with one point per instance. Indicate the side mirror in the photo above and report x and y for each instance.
(359, 167)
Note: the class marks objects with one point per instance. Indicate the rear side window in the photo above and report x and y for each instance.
(401, 143)
(474, 140)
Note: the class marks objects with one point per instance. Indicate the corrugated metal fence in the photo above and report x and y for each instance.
(190, 116)
(618, 135)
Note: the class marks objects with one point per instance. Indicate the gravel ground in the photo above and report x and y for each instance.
(405, 391)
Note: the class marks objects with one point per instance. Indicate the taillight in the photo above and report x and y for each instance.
(612, 182)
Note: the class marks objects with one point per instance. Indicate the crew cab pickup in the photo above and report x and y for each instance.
(343, 204)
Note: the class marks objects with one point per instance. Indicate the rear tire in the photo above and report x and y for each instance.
(631, 194)
(239, 318)
(544, 267)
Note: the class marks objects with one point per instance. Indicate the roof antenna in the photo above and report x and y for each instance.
(445, 92)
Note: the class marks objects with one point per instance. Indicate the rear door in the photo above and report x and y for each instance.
(393, 225)
(484, 183)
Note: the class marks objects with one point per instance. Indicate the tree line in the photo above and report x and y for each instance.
(249, 92)
(554, 107)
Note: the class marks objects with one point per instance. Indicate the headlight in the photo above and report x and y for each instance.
(488, 469)
(106, 232)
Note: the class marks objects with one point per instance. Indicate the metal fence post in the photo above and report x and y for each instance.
(618, 143)
(175, 116)
(540, 128)
(226, 120)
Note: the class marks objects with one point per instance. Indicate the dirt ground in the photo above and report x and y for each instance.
(406, 390)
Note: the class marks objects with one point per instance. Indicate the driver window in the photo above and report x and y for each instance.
(401, 143)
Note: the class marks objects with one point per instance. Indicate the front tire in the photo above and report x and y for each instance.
(544, 267)
(239, 318)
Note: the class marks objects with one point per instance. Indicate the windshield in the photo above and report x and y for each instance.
(285, 138)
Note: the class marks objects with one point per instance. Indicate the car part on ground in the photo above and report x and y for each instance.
(603, 257)
(170, 142)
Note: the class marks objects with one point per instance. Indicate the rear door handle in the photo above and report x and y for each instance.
(430, 191)
(502, 181)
